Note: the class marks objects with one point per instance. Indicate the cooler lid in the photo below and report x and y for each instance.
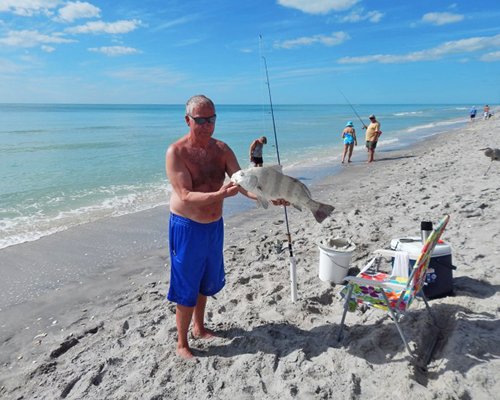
(413, 246)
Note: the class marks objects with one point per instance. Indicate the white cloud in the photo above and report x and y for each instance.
(174, 22)
(358, 16)
(48, 49)
(491, 57)
(114, 50)
(117, 27)
(28, 38)
(335, 38)
(442, 18)
(77, 10)
(160, 76)
(27, 8)
(318, 6)
(448, 48)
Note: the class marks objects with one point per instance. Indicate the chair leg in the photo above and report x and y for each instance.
(396, 321)
(346, 307)
(428, 307)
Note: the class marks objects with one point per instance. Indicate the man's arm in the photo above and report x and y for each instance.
(378, 131)
(181, 181)
(252, 147)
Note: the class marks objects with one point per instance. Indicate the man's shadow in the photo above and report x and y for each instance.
(459, 328)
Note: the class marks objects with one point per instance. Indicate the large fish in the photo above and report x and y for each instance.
(269, 183)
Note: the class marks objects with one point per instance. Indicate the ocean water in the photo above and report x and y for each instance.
(65, 165)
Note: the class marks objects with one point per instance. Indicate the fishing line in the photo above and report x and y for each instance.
(293, 277)
(353, 109)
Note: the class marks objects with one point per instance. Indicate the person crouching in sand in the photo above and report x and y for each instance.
(196, 166)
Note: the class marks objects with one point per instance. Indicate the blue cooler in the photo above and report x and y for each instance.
(439, 279)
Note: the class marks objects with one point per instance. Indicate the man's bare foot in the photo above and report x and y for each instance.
(204, 334)
(185, 353)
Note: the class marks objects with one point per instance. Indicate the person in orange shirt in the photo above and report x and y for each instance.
(373, 132)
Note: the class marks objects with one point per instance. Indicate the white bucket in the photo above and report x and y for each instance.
(334, 259)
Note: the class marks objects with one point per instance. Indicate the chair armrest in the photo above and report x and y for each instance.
(377, 284)
(386, 252)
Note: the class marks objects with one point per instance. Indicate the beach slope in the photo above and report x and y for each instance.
(119, 341)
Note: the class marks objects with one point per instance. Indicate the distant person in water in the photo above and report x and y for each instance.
(256, 151)
(349, 136)
(486, 112)
(373, 132)
(472, 113)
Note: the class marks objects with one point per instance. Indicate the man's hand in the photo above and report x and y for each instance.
(280, 202)
(229, 189)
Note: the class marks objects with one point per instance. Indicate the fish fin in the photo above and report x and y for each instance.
(306, 189)
(322, 211)
(277, 167)
(297, 207)
(253, 181)
(262, 202)
(305, 186)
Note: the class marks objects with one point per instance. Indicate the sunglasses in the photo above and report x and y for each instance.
(203, 120)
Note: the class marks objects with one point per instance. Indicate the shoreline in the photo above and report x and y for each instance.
(271, 348)
(46, 222)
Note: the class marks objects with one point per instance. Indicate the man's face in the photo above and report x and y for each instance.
(201, 121)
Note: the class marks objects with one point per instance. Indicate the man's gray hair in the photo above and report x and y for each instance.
(197, 100)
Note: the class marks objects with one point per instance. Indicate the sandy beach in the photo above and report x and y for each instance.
(112, 334)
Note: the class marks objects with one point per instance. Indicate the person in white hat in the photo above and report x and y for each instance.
(349, 136)
(372, 134)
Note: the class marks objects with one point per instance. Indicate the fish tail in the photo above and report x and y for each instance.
(320, 210)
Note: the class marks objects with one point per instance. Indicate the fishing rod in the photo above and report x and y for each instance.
(353, 109)
(293, 268)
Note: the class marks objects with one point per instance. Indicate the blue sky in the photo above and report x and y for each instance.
(162, 52)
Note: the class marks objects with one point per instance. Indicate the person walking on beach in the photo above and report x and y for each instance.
(196, 167)
(256, 151)
(349, 136)
(373, 132)
(472, 113)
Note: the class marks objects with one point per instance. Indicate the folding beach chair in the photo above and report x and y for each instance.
(392, 294)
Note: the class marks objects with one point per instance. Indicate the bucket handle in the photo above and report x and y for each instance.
(338, 265)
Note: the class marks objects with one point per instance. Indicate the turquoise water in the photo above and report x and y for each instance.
(64, 165)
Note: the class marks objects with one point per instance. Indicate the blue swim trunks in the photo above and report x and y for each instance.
(196, 259)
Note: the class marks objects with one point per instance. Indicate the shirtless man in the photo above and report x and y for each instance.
(196, 166)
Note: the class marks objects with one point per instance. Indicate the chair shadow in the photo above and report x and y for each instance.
(379, 342)
(466, 339)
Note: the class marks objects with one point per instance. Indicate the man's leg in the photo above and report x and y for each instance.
(199, 330)
(371, 153)
(183, 317)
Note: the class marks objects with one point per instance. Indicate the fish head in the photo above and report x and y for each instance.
(245, 179)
